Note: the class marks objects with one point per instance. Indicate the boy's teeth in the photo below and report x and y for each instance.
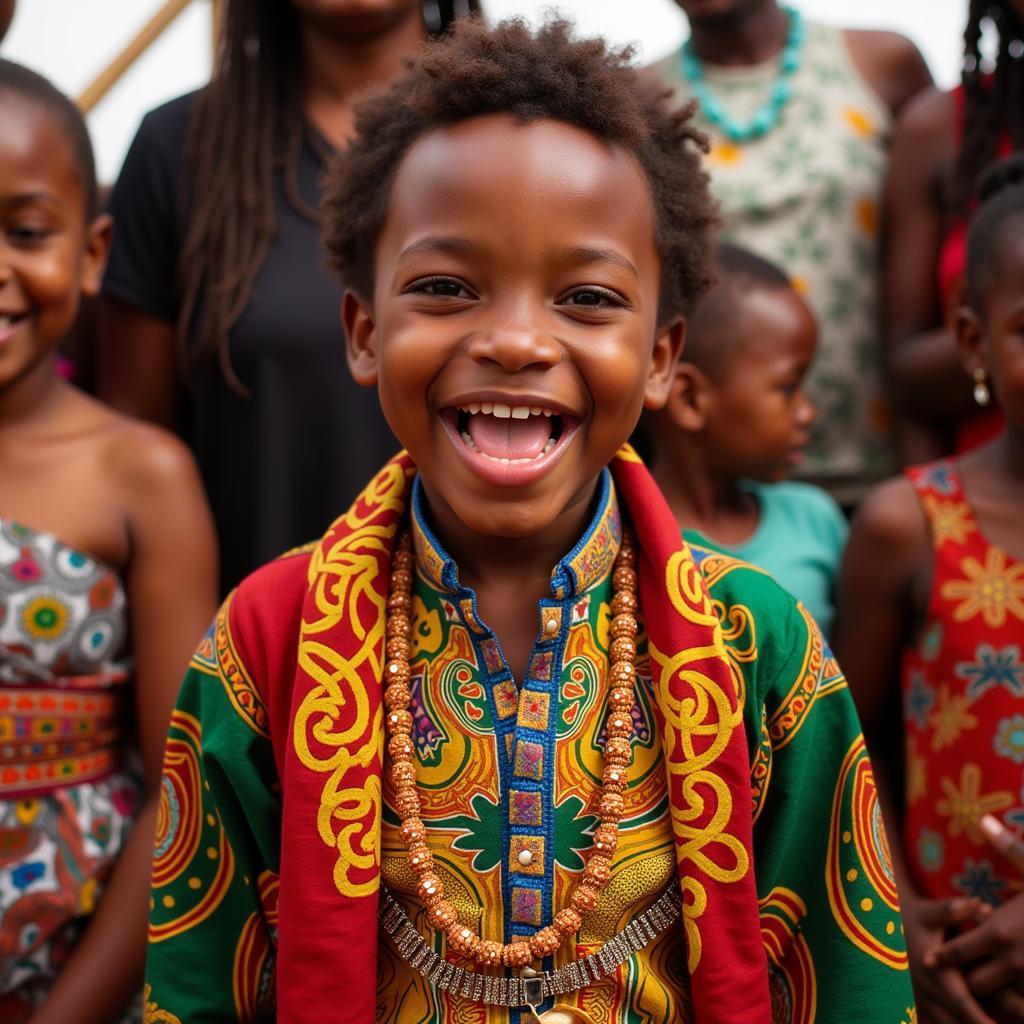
(505, 412)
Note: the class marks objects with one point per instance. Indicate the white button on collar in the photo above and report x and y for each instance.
(526, 858)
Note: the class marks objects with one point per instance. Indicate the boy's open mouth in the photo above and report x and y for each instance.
(506, 435)
(509, 434)
(9, 320)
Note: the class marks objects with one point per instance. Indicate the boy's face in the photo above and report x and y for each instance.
(49, 255)
(513, 331)
(759, 418)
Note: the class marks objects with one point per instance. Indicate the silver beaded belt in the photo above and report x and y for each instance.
(519, 991)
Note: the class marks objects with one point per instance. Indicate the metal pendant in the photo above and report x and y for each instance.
(562, 1014)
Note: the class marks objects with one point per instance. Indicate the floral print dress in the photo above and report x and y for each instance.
(806, 196)
(66, 804)
(963, 703)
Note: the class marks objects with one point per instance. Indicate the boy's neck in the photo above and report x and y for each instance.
(749, 37)
(510, 564)
(703, 500)
(509, 575)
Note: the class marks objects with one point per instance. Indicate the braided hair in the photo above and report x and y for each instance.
(246, 125)
(993, 103)
(1001, 207)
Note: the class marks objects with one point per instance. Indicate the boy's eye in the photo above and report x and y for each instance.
(442, 287)
(27, 233)
(593, 298)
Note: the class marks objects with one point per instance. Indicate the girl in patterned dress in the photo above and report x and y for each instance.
(942, 144)
(107, 573)
(933, 581)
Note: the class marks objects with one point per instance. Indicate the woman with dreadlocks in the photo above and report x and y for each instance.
(943, 144)
(218, 319)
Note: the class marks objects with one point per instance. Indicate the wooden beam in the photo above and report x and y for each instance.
(217, 10)
(135, 48)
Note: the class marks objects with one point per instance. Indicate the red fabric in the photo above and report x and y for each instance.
(963, 692)
(730, 984)
(982, 424)
(326, 719)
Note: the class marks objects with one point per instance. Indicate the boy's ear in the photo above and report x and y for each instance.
(687, 405)
(361, 339)
(98, 236)
(970, 336)
(668, 346)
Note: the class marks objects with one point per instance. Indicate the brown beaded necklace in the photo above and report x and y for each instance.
(617, 757)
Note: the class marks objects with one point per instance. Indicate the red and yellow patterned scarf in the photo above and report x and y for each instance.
(331, 774)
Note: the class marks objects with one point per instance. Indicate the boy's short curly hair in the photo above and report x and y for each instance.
(546, 74)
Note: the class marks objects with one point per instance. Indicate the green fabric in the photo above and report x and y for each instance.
(801, 728)
(214, 896)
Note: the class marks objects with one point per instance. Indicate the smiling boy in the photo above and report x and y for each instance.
(468, 756)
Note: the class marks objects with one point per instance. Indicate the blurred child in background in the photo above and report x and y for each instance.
(735, 426)
(933, 582)
(107, 558)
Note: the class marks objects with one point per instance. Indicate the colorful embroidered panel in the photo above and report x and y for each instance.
(66, 808)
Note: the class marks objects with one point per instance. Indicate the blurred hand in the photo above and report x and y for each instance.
(942, 992)
(991, 956)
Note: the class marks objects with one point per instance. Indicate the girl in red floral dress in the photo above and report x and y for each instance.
(932, 609)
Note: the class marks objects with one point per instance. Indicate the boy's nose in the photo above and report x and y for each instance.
(515, 348)
(806, 412)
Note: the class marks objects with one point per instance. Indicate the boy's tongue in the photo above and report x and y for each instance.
(509, 438)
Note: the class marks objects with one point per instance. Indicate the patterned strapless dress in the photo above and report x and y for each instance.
(67, 802)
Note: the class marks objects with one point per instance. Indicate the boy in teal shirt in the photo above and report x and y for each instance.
(735, 425)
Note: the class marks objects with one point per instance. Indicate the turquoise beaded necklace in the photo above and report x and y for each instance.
(766, 117)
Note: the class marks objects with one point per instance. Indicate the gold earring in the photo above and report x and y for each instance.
(981, 392)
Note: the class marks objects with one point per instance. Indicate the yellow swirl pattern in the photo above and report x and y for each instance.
(151, 1012)
(334, 730)
(698, 728)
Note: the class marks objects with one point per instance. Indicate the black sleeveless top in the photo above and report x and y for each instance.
(280, 464)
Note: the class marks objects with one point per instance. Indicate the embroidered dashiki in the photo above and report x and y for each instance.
(806, 195)
(66, 806)
(963, 701)
(509, 776)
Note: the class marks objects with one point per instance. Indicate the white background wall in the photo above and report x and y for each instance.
(70, 41)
